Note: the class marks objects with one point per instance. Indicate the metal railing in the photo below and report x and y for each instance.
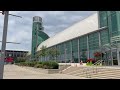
(89, 71)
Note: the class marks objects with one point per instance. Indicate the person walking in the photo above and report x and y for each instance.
(81, 62)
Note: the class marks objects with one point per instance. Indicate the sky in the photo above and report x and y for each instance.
(20, 29)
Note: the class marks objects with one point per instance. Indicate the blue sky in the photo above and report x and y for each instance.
(20, 29)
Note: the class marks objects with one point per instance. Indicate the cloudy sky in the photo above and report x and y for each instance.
(20, 29)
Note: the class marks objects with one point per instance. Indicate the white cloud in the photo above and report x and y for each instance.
(20, 29)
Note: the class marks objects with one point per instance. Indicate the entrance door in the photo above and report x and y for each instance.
(114, 56)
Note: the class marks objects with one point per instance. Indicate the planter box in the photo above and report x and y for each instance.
(46, 71)
(51, 71)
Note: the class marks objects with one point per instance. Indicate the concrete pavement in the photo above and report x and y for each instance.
(17, 72)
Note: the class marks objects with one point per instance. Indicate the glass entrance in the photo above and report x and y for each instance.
(107, 60)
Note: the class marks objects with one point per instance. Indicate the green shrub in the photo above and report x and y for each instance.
(17, 64)
(89, 63)
(54, 65)
(31, 64)
(20, 59)
(23, 64)
(50, 65)
(45, 65)
(40, 62)
(38, 66)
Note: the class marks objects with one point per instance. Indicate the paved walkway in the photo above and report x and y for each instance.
(16, 72)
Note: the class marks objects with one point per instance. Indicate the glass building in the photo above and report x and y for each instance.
(99, 32)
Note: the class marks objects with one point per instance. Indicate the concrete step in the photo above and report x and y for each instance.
(106, 77)
(100, 77)
(102, 72)
(94, 70)
(107, 74)
(76, 71)
(83, 74)
(95, 74)
(70, 69)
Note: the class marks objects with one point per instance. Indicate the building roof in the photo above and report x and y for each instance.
(29, 53)
(85, 26)
(16, 50)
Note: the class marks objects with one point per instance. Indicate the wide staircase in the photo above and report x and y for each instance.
(94, 72)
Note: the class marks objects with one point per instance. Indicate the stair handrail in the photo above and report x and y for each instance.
(99, 61)
(95, 69)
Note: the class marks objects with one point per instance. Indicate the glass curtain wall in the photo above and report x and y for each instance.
(83, 48)
(68, 51)
(93, 40)
(75, 50)
(62, 52)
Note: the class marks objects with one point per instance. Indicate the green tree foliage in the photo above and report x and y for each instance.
(53, 53)
(42, 52)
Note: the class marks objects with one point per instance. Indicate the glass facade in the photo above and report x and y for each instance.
(62, 52)
(103, 19)
(104, 37)
(114, 26)
(68, 50)
(75, 50)
(83, 48)
(79, 48)
(93, 41)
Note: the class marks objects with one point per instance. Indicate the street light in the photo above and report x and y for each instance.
(6, 14)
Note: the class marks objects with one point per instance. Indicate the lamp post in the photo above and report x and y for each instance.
(3, 43)
(6, 16)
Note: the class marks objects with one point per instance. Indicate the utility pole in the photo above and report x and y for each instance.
(6, 13)
(2, 58)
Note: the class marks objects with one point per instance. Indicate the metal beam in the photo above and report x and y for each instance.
(12, 42)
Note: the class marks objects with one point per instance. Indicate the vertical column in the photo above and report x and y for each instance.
(98, 14)
(64, 52)
(88, 53)
(99, 39)
(78, 51)
(20, 54)
(13, 54)
(16, 54)
(118, 56)
(5, 53)
(100, 43)
(71, 49)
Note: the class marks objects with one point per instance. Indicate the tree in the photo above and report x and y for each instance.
(42, 52)
(53, 53)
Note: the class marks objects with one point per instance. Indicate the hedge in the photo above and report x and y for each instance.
(45, 64)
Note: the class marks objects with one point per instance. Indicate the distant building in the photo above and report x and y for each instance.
(15, 53)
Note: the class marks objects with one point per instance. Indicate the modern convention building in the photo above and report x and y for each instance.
(98, 32)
